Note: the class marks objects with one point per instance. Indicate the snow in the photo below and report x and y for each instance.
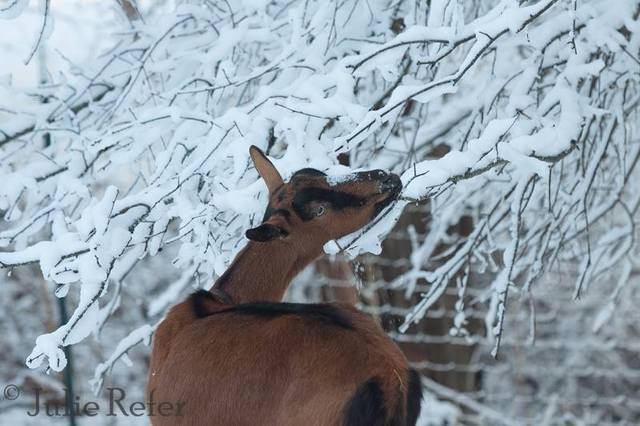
(11, 9)
(331, 247)
(141, 334)
(334, 180)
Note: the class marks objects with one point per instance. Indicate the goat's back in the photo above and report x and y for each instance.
(280, 364)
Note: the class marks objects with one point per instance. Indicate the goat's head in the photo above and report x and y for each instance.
(314, 208)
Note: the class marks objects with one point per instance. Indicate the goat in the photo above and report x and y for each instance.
(234, 355)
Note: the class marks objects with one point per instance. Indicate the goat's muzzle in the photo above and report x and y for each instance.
(390, 185)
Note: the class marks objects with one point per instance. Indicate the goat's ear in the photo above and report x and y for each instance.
(266, 232)
(265, 169)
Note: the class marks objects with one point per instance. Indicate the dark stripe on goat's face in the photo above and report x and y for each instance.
(338, 200)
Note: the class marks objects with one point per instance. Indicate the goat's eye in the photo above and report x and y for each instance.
(319, 211)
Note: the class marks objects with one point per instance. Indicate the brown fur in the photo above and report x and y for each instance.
(233, 369)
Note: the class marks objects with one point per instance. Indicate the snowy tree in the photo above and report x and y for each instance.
(520, 114)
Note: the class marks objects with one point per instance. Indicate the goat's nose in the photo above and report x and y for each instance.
(390, 182)
(372, 175)
(380, 174)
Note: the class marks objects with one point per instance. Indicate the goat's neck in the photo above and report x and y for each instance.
(263, 271)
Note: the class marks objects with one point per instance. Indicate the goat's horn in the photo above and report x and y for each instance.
(265, 168)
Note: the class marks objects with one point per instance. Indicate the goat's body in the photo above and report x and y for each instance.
(279, 364)
(291, 365)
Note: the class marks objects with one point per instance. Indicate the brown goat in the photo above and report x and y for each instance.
(234, 356)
